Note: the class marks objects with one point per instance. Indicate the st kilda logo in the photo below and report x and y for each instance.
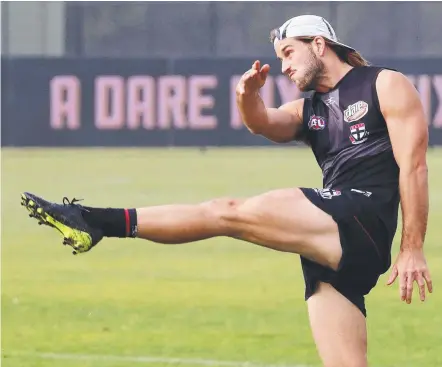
(316, 123)
(355, 111)
(358, 133)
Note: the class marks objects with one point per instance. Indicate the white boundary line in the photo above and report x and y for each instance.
(142, 359)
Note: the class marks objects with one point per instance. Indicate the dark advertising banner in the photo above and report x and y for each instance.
(154, 102)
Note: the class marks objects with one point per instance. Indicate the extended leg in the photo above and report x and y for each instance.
(283, 220)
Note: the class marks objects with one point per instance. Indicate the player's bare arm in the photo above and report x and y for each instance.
(281, 124)
(402, 109)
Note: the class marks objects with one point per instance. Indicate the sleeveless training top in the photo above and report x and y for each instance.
(348, 134)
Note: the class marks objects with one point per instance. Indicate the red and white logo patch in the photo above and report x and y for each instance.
(316, 123)
(358, 133)
(356, 111)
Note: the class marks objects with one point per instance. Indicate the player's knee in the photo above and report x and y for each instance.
(225, 212)
(221, 204)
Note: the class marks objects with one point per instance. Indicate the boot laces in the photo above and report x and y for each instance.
(74, 201)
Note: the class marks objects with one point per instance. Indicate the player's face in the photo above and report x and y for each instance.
(299, 63)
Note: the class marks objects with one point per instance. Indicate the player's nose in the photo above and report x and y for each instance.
(285, 67)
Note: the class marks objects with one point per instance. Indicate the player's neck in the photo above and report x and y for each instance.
(335, 71)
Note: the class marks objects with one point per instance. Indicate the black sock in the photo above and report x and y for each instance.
(113, 222)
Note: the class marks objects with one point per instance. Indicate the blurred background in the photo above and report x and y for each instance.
(94, 96)
(162, 73)
(210, 29)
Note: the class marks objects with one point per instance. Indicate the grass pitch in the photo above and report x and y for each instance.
(216, 300)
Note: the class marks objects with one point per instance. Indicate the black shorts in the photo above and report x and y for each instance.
(367, 222)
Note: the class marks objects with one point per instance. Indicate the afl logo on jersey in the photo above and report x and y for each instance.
(358, 133)
(355, 111)
(316, 123)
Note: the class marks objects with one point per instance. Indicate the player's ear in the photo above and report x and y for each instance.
(319, 45)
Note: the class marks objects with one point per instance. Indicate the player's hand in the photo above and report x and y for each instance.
(253, 79)
(411, 266)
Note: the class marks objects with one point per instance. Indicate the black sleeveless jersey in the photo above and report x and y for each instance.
(348, 134)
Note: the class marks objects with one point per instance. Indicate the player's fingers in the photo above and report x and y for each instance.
(427, 278)
(250, 74)
(265, 70)
(393, 276)
(421, 283)
(410, 281)
(256, 65)
(403, 285)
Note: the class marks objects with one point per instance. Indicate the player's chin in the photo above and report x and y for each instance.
(301, 86)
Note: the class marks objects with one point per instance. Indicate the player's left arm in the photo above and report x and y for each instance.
(402, 109)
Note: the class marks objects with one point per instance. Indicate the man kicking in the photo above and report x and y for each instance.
(367, 130)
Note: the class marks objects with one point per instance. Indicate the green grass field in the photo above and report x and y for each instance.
(129, 301)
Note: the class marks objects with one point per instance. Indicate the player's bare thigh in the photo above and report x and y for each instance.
(285, 220)
(338, 327)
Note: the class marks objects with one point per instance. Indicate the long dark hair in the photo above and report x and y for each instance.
(353, 58)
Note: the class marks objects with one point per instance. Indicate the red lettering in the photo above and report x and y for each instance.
(65, 102)
(140, 102)
(109, 97)
(198, 101)
(172, 102)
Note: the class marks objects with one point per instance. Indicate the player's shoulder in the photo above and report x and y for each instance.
(379, 73)
(395, 91)
(389, 79)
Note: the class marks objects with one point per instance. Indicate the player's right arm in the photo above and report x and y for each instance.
(280, 125)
